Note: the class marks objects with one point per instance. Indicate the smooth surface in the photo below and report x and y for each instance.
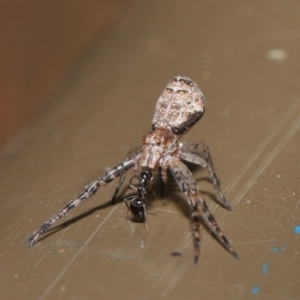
(252, 125)
(40, 42)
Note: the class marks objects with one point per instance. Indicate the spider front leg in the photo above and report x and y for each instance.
(89, 190)
(131, 154)
(199, 208)
(207, 163)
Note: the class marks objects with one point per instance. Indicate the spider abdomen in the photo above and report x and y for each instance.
(179, 107)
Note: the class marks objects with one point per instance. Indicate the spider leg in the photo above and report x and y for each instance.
(132, 153)
(118, 186)
(207, 163)
(193, 158)
(199, 209)
(163, 180)
(89, 190)
(164, 175)
(212, 224)
(127, 205)
(188, 185)
(145, 213)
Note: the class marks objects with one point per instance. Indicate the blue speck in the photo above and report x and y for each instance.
(255, 290)
(283, 247)
(297, 229)
(275, 249)
(265, 268)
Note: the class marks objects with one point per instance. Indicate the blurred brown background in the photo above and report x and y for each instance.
(40, 42)
(79, 82)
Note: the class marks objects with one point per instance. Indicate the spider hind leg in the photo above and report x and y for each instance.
(199, 209)
(206, 163)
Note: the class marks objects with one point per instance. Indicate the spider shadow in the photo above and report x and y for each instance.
(76, 219)
(111, 202)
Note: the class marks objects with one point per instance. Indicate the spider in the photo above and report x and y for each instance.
(179, 107)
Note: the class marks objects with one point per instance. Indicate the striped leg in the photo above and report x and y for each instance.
(188, 185)
(199, 209)
(133, 153)
(89, 190)
(207, 163)
(212, 224)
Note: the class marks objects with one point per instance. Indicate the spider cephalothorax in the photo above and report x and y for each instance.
(179, 107)
(158, 147)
